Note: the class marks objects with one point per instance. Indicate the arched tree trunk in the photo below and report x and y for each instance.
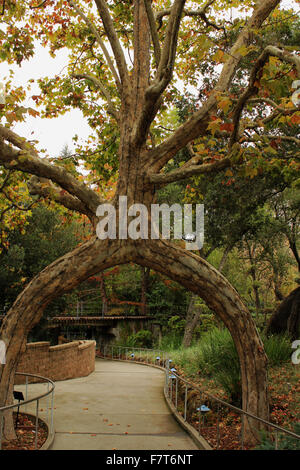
(59, 277)
(178, 264)
(200, 277)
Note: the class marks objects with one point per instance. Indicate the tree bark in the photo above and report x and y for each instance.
(103, 295)
(287, 316)
(251, 251)
(145, 280)
(192, 320)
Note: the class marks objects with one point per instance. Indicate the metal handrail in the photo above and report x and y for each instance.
(235, 408)
(188, 384)
(49, 392)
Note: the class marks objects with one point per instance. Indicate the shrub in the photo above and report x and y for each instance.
(284, 443)
(142, 339)
(278, 349)
(208, 322)
(218, 358)
(171, 341)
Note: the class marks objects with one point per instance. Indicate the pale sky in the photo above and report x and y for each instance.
(53, 134)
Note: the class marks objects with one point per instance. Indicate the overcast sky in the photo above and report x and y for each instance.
(53, 134)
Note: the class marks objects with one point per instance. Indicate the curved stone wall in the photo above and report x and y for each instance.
(61, 362)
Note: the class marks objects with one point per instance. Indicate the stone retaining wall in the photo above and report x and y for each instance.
(61, 362)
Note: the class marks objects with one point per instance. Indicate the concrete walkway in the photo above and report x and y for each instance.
(119, 406)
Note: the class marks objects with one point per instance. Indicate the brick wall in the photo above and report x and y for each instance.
(61, 362)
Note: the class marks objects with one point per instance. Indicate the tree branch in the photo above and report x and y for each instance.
(44, 188)
(252, 88)
(100, 42)
(25, 159)
(114, 42)
(98, 84)
(197, 124)
(190, 170)
(153, 30)
(153, 100)
(287, 138)
(201, 12)
(168, 53)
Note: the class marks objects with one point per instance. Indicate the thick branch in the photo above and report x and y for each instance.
(44, 188)
(284, 56)
(153, 30)
(191, 170)
(168, 53)
(163, 76)
(100, 42)
(114, 42)
(26, 160)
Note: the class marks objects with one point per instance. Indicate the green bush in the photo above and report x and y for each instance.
(176, 324)
(285, 442)
(277, 348)
(141, 339)
(208, 322)
(218, 358)
(171, 341)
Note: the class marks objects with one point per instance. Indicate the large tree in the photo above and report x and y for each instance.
(167, 40)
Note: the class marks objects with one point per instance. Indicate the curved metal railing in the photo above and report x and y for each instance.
(209, 407)
(49, 416)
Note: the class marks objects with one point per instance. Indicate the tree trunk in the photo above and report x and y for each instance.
(287, 316)
(145, 280)
(251, 251)
(103, 295)
(293, 247)
(59, 277)
(192, 320)
(224, 257)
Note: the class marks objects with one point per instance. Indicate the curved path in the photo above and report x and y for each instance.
(119, 406)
